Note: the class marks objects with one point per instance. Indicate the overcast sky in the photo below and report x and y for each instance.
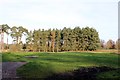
(44, 14)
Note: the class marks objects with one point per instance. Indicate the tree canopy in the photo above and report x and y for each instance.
(55, 40)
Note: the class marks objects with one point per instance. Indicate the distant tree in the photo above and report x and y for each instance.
(29, 41)
(69, 40)
(16, 34)
(4, 29)
(44, 39)
(13, 48)
(90, 39)
(57, 39)
(24, 47)
(102, 43)
(113, 45)
(37, 40)
(117, 45)
(77, 36)
(66, 39)
(52, 39)
(65, 36)
(72, 40)
(49, 40)
(110, 44)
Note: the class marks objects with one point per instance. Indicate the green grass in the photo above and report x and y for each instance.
(48, 63)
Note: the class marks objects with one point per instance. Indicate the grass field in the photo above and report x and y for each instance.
(48, 63)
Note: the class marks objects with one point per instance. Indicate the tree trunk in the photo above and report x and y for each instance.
(7, 42)
(53, 45)
(2, 41)
(57, 46)
(57, 49)
(53, 49)
(17, 40)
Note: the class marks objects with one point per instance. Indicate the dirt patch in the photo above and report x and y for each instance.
(9, 69)
(82, 73)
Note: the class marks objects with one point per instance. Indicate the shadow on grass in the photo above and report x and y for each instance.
(82, 73)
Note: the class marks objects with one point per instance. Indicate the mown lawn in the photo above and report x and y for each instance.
(47, 64)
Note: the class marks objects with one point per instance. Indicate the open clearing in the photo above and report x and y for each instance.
(48, 64)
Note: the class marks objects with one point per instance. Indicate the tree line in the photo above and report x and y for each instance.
(110, 44)
(52, 40)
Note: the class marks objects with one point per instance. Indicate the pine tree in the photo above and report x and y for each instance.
(52, 39)
(64, 39)
(57, 40)
(29, 41)
(77, 38)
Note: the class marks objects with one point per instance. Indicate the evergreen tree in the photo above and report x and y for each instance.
(67, 39)
(49, 40)
(90, 39)
(36, 40)
(29, 41)
(52, 39)
(77, 38)
(57, 40)
(64, 39)
(17, 34)
(44, 40)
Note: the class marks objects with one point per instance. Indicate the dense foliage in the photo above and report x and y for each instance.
(63, 40)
